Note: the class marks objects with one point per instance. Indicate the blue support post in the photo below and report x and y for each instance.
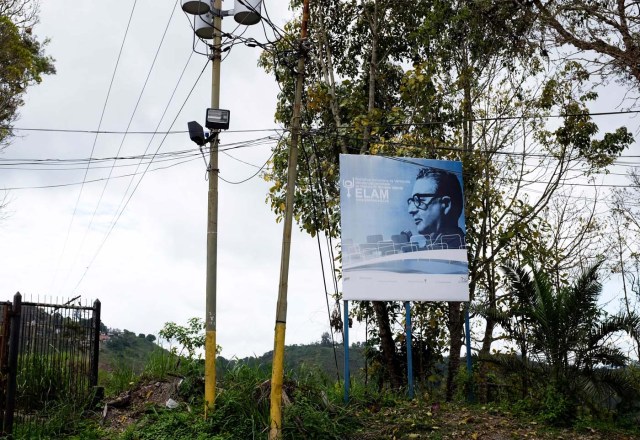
(407, 307)
(467, 324)
(347, 378)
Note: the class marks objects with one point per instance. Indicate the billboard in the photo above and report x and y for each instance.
(403, 229)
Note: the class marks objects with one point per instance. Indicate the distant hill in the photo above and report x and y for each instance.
(133, 351)
(316, 355)
(126, 348)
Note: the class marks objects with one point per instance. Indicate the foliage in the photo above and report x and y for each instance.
(121, 377)
(189, 337)
(606, 30)
(126, 349)
(22, 59)
(572, 355)
(448, 80)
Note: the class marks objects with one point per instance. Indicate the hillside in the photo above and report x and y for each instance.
(132, 351)
(316, 355)
(126, 349)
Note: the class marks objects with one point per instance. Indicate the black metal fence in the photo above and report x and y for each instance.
(49, 362)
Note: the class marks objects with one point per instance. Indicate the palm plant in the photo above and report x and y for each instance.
(567, 341)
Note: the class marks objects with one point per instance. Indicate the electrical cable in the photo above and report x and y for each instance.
(252, 176)
(124, 136)
(100, 179)
(111, 228)
(104, 107)
(324, 279)
(327, 236)
(333, 131)
(54, 130)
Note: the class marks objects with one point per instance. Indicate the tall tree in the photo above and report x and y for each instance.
(22, 59)
(451, 80)
(606, 31)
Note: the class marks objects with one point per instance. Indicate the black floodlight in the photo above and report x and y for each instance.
(196, 133)
(217, 119)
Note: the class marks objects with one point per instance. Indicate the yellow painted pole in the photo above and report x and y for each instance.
(212, 230)
(277, 371)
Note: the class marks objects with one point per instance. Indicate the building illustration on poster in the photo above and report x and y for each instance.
(403, 229)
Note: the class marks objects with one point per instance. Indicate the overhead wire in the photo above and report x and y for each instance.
(100, 179)
(119, 214)
(252, 176)
(334, 131)
(124, 137)
(324, 279)
(104, 107)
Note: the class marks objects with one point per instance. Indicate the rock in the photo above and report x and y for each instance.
(171, 404)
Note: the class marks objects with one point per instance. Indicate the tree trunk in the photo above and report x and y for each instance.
(387, 345)
(455, 332)
(373, 66)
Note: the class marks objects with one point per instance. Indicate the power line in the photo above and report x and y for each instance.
(101, 179)
(253, 175)
(124, 137)
(115, 221)
(398, 143)
(80, 131)
(104, 107)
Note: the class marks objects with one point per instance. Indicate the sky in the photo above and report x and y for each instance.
(150, 269)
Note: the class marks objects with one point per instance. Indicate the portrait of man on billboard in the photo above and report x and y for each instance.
(403, 229)
(435, 206)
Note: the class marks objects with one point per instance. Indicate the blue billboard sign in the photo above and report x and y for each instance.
(403, 229)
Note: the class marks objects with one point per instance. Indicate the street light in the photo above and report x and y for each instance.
(246, 12)
(208, 16)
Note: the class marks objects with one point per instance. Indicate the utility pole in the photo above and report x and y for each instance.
(212, 227)
(208, 26)
(277, 372)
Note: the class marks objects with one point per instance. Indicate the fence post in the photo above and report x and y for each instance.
(93, 379)
(14, 341)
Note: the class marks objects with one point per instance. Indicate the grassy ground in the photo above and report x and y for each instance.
(393, 419)
(135, 408)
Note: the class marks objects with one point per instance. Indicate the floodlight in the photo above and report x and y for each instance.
(247, 12)
(196, 132)
(217, 119)
(195, 7)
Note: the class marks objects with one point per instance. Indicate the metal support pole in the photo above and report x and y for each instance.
(14, 342)
(93, 379)
(277, 370)
(467, 324)
(347, 374)
(408, 337)
(212, 229)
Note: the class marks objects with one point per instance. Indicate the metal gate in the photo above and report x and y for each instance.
(49, 358)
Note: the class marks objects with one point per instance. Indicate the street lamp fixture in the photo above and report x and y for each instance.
(217, 119)
(246, 12)
(207, 25)
(196, 133)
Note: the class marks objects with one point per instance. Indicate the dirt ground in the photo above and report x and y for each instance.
(407, 420)
(128, 407)
(416, 421)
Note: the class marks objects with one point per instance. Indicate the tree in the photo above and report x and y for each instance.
(446, 80)
(22, 59)
(606, 29)
(566, 341)
(325, 339)
(625, 244)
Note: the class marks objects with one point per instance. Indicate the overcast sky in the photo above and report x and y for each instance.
(151, 268)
